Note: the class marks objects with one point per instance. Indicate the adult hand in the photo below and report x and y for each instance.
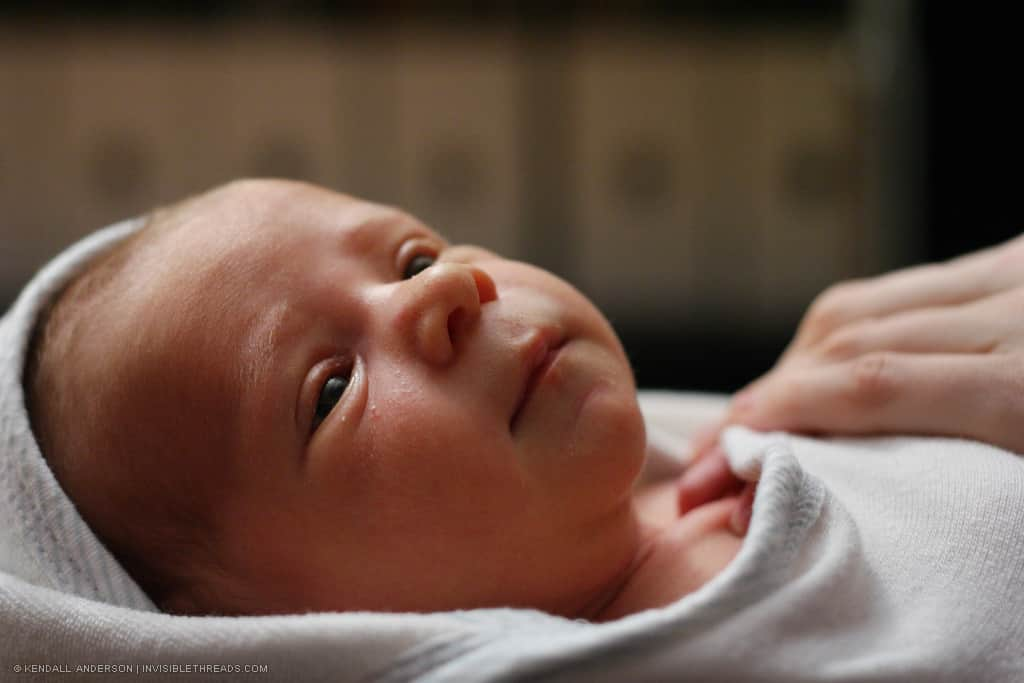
(935, 349)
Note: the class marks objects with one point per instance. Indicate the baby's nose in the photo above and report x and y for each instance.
(441, 305)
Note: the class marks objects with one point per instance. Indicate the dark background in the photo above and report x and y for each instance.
(970, 169)
(972, 123)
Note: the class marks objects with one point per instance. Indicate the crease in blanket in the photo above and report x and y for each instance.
(421, 659)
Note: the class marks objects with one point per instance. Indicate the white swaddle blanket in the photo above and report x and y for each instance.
(878, 559)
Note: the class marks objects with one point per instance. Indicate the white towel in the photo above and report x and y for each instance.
(42, 538)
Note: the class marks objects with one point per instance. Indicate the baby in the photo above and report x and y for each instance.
(278, 399)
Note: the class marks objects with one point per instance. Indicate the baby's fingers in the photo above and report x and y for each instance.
(706, 479)
(974, 396)
(705, 439)
(741, 514)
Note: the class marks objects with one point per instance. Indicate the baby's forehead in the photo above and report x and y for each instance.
(269, 220)
(229, 250)
(266, 205)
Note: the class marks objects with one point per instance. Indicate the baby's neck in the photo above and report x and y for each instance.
(674, 557)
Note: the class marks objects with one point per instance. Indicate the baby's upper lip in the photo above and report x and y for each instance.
(531, 357)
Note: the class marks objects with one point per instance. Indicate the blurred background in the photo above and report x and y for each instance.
(700, 169)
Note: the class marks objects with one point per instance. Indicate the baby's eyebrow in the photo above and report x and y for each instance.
(363, 238)
(265, 331)
(260, 346)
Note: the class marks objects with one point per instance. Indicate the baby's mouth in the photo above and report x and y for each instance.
(540, 355)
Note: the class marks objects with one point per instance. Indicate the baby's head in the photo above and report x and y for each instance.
(275, 398)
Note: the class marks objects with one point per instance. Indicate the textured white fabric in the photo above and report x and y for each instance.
(42, 539)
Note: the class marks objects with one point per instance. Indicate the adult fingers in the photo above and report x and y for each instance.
(942, 284)
(978, 327)
(974, 396)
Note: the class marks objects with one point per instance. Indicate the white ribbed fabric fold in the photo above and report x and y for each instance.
(43, 539)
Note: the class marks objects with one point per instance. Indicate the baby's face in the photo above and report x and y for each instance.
(399, 424)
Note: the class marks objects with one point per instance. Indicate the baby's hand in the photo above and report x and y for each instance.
(707, 478)
(740, 520)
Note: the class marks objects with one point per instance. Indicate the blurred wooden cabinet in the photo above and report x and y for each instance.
(634, 164)
(280, 106)
(144, 120)
(459, 146)
(809, 157)
(726, 223)
(716, 179)
(34, 211)
(705, 177)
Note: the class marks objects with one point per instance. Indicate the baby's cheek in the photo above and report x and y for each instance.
(605, 447)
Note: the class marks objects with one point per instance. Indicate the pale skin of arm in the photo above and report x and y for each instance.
(936, 349)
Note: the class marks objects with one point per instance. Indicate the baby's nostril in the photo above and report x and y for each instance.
(486, 290)
(455, 322)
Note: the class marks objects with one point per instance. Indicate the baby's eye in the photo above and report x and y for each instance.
(418, 264)
(331, 393)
